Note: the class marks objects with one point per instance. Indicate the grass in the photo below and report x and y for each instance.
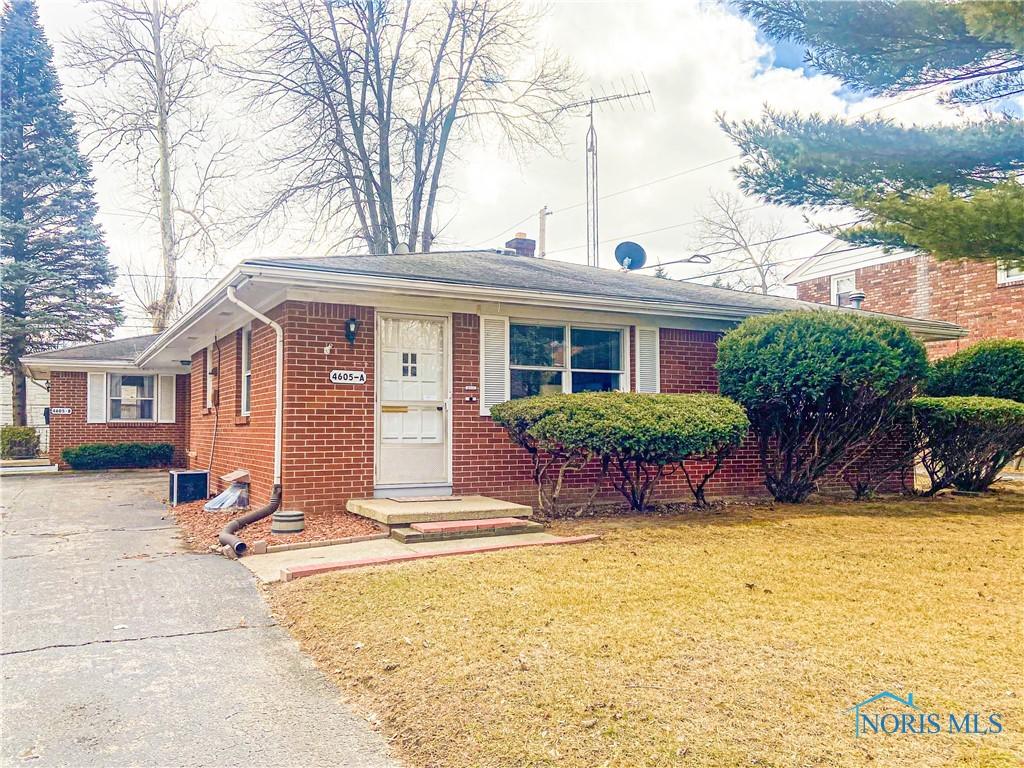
(731, 639)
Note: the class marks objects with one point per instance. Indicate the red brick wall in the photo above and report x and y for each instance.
(242, 442)
(962, 292)
(69, 389)
(329, 428)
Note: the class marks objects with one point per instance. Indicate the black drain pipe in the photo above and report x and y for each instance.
(227, 535)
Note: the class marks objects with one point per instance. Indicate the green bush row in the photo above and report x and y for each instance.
(19, 442)
(118, 455)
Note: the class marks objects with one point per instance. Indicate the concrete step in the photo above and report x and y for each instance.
(464, 529)
(401, 512)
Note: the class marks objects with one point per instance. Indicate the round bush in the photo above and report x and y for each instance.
(993, 368)
(966, 441)
(637, 435)
(816, 385)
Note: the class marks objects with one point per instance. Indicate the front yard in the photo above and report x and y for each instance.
(738, 638)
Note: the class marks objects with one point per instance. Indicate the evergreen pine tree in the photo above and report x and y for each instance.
(57, 282)
(950, 190)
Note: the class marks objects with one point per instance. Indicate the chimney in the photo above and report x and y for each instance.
(522, 245)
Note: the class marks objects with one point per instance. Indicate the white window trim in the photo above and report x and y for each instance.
(245, 371)
(209, 376)
(566, 369)
(155, 399)
(1003, 276)
(834, 286)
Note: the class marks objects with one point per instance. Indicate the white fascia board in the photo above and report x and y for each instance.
(828, 264)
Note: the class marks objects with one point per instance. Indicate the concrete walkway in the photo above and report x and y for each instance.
(281, 566)
(120, 648)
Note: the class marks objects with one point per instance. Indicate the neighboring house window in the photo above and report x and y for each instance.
(246, 369)
(540, 362)
(209, 376)
(1009, 275)
(131, 397)
(842, 287)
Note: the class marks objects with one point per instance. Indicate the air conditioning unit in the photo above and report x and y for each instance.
(188, 485)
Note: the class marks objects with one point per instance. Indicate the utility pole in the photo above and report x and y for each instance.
(542, 231)
(593, 198)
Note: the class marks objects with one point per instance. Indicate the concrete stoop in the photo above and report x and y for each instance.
(464, 529)
(406, 511)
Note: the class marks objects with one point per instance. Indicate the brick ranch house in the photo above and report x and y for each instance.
(985, 299)
(391, 364)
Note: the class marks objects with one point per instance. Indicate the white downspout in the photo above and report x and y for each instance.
(278, 379)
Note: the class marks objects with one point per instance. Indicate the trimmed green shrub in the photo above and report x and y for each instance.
(964, 442)
(993, 368)
(639, 437)
(822, 389)
(19, 442)
(118, 455)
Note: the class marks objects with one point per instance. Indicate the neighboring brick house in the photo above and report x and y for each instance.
(98, 395)
(391, 364)
(985, 299)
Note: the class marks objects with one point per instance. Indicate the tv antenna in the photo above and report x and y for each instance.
(625, 95)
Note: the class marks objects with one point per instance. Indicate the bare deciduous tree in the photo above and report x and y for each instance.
(371, 101)
(755, 252)
(146, 68)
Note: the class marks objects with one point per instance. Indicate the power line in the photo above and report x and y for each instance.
(769, 264)
(685, 172)
(749, 245)
(652, 231)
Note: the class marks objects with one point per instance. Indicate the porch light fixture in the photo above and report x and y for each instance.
(351, 327)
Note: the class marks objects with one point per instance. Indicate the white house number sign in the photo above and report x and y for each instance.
(348, 377)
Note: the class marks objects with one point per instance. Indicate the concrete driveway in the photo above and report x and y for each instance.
(121, 648)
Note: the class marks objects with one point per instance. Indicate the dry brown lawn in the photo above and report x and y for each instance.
(730, 639)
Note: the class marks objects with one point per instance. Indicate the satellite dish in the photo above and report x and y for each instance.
(630, 255)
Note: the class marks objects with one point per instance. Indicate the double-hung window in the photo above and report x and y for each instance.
(842, 287)
(547, 359)
(209, 376)
(246, 382)
(131, 397)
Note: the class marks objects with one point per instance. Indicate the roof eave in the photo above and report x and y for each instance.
(931, 330)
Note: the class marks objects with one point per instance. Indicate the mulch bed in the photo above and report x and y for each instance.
(200, 528)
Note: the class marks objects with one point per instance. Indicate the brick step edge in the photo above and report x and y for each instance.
(409, 535)
(483, 524)
(302, 571)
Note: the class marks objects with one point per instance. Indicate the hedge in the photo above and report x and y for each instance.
(993, 368)
(965, 442)
(19, 442)
(823, 389)
(118, 455)
(637, 436)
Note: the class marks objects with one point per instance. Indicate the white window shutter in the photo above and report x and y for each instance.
(165, 399)
(648, 378)
(96, 398)
(494, 379)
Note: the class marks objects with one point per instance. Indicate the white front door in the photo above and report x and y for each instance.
(412, 401)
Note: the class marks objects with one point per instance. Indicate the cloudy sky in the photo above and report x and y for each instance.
(698, 58)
